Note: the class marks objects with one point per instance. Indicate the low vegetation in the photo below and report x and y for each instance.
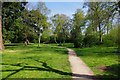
(103, 61)
(51, 61)
(19, 61)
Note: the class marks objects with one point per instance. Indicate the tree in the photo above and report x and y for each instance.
(5, 13)
(41, 7)
(1, 41)
(90, 37)
(101, 15)
(46, 35)
(20, 24)
(61, 27)
(111, 39)
(10, 12)
(78, 24)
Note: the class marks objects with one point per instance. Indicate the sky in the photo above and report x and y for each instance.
(67, 8)
(57, 0)
(73, 0)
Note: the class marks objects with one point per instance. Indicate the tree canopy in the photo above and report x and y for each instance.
(21, 24)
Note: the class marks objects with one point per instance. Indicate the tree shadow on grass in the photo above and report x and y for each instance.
(50, 69)
(46, 68)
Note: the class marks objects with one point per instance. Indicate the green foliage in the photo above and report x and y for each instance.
(20, 24)
(76, 32)
(78, 42)
(111, 39)
(100, 15)
(61, 26)
(46, 35)
(90, 40)
(10, 12)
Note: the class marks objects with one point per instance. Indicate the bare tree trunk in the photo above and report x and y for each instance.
(1, 41)
(100, 34)
(39, 39)
(55, 40)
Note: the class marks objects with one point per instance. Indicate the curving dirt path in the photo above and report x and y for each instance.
(79, 69)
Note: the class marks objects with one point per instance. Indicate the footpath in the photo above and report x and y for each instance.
(79, 69)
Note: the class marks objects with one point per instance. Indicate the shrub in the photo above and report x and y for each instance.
(78, 42)
(90, 40)
(109, 41)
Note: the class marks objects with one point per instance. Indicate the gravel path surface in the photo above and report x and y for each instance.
(79, 69)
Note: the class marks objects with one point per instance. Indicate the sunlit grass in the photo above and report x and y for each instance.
(102, 60)
(20, 61)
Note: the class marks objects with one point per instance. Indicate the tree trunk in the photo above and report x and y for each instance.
(1, 41)
(100, 34)
(39, 39)
(55, 40)
(63, 42)
(26, 42)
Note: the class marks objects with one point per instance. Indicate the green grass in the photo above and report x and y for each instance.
(51, 61)
(102, 60)
(46, 61)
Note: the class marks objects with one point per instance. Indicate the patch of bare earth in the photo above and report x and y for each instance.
(104, 68)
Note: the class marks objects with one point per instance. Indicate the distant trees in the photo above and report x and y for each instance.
(96, 27)
(42, 23)
(99, 14)
(37, 21)
(61, 27)
(111, 39)
(78, 24)
(101, 17)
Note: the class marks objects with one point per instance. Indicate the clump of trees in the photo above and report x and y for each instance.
(99, 26)
(78, 25)
(21, 24)
(61, 28)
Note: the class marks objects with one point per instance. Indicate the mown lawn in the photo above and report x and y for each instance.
(104, 61)
(46, 61)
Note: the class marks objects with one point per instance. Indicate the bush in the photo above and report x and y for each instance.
(90, 40)
(78, 42)
(109, 41)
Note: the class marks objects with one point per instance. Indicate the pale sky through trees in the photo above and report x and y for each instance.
(67, 8)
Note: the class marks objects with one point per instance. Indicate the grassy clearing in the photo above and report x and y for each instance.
(102, 60)
(19, 61)
(51, 61)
